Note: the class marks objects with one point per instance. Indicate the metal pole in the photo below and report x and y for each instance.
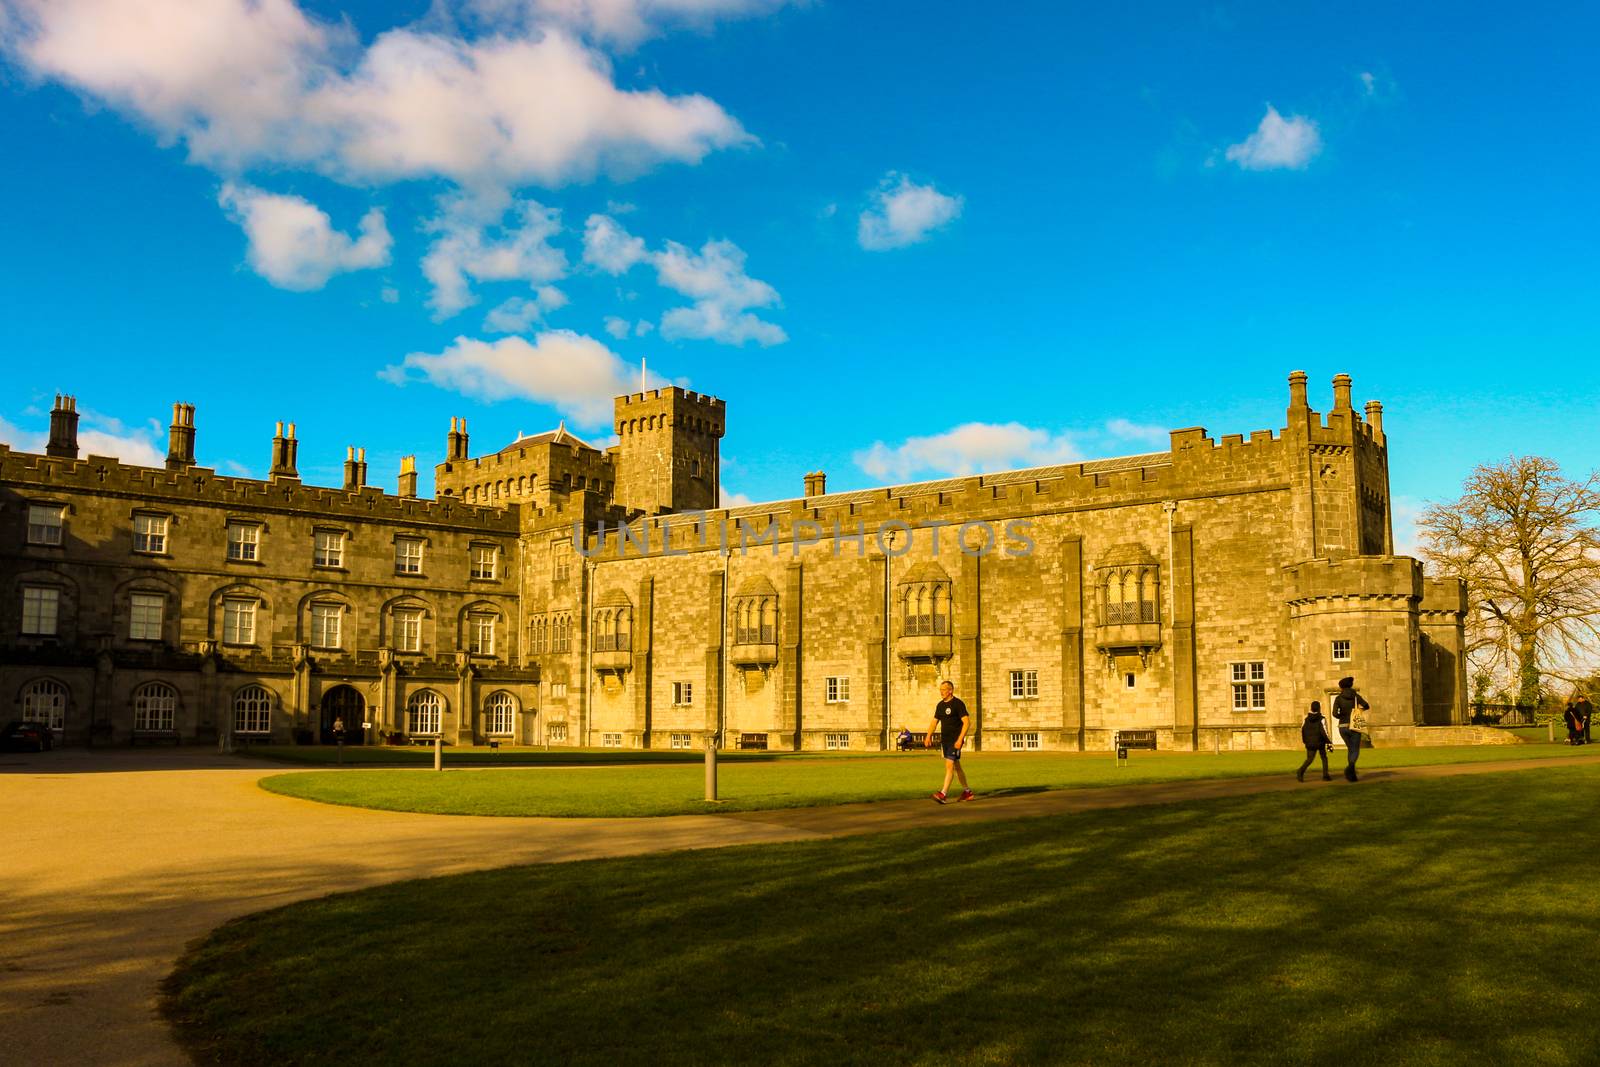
(711, 770)
(438, 753)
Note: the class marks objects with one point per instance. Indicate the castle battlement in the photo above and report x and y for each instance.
(672, 392)
(105, 475)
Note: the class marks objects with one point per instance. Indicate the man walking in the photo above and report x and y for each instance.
(951, 719)
(1347, 709)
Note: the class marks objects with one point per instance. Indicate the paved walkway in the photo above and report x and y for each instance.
(111, 862)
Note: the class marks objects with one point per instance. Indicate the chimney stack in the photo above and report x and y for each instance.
(1341, 395)
(816, 484)
(1297, 391)
(456, 447)
(1375, 420)
(180, 438)
(284, 451)
(63, 428)
(408, 476)
(355, 469)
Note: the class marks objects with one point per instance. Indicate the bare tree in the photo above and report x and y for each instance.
(1525, 539)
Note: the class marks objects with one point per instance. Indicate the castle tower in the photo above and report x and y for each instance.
(63, 428)
(1339, 475)
(668, 452)
(180, 438)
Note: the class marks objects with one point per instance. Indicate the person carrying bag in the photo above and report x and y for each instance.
(1348, 708)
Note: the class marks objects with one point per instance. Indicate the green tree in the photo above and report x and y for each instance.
(1525, 539)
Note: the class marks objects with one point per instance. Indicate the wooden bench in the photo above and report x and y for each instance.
(1132, 739)
(154, 735)
(753, 742)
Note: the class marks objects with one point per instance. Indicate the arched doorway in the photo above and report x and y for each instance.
(343, 702)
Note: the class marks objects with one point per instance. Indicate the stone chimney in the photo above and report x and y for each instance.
(180, 438)
(456, 444)
(1297, 392)
(284, 451)
(1375, 420)
(1341, 395)
(408, 476)
(63, 428)
(355, 469)
(816, 484)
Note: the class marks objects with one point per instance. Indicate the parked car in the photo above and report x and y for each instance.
(26, 737)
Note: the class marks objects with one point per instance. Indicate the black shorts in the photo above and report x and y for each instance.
(951, 752)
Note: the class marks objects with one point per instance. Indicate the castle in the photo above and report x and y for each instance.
(558, 593)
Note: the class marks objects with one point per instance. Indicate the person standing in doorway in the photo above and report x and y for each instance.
(951, 719)
(1347, 709)
(1314, 735)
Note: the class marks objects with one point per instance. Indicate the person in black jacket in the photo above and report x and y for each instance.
(1314, 734)
(1345, 703)
(1574, 720)
(1585, 711)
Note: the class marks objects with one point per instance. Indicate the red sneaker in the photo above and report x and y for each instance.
(966, 794)
(939, 798)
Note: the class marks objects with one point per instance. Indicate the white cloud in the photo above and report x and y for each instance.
(519, 313)
(618, 22)
(714, 278)
(244, 82)
(901, 212)
(1404, 511)
(1278, 143)
(389, 295)
(143, 447)
(609, 247)
(575, 374)
(617, 327)
(1124, 430)
(727, 498)
(1369, 82)
(293, 243)
(972, 448)
(464, 248)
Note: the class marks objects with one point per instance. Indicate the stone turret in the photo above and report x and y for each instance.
(668, 451)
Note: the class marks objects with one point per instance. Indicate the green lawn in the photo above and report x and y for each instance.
(800, 782)
(421, 756)
(1446, 921)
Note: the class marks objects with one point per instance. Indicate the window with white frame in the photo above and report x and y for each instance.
(610, 740)
(45, 701)
(408, 629)
(408, 555)
(837, 688)
(252, 710)
(150, 533)
(556, 732)
(327, 548)
(1249, 680)
(154, 706)
(325, 628)
(558, 690)
(238, 621)
(44, 524)
(500, 714)
(1024, 685)
(144, 616)
(1341, 652)
(680, 741)
(682, 694)
(484, 558)
(836, 742)
(1025, 740)
(244, 542)
(423, 712)
(41, 609)
(480, 633)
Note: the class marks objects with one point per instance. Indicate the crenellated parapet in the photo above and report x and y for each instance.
(1373, 582)
(105, 476)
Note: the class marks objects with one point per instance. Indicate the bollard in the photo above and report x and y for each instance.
(1552, 727)
(711, 771)
(438, 753)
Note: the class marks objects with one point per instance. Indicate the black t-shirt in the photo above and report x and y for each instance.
(949, 714)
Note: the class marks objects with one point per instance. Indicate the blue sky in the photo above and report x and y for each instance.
(900, 240)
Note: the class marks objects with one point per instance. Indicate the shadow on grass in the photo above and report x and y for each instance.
(1427, 922)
